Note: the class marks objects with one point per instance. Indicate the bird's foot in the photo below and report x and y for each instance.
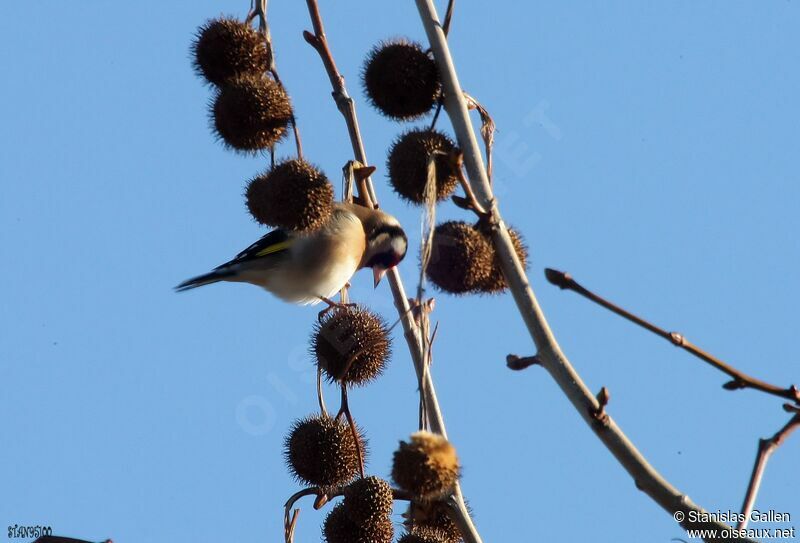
(331, 306)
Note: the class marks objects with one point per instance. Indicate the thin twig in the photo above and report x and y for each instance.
(436, 113)
(740, 379)
(424, 420)
(289, 529)
(346, 106)
(471, 201)
(290, 513)
(422, 310)
(320, 397)
(289, 516)
(427, 227)
(423, 314)
(552, 358)
(259, 9)
(518, 363)
(488, 128)
(599, 414)
(319, 41)
(322, 496)
(432, 341)
(345, 410)
(363, 174)
(765, 449)
(448, 17)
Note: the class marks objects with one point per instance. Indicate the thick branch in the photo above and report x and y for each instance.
(740, 379)
(552, 358)
(411, 331)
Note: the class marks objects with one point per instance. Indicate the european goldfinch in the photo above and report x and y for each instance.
(307, 268)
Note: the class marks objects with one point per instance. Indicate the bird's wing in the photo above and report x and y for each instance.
(273, 243)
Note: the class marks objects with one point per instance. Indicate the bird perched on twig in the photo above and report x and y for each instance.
(308, 268)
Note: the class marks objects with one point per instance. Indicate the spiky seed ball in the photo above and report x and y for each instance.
(293, 195)
(400, 79)
(408, 164)
(225, 48)
(251, 113)
(427, 466)
(461, 258)
(351, 345)
(338, 528)
(423, 535)
(432, 516)
(495, 283)
(368, 498)
(322, 452)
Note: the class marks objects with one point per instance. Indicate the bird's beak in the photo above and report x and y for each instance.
(377, 274)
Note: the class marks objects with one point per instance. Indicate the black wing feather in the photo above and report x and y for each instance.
(269, 239)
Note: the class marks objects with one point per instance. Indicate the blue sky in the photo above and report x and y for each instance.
(649, 149)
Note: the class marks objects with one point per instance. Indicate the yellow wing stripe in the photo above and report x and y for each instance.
(277, 247)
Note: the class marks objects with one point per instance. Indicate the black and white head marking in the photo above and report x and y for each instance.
(386, 246)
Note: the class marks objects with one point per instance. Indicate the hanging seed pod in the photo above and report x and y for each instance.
(338, 528)
(225, 48)
(423, 535)
(461, 258)
(495, 283)
(408, 164)
(251, 113)
(427, 466)
(432, 517)
(368, 498)
(293, 195)
(400, 79)
(321, 451)
(351, 345)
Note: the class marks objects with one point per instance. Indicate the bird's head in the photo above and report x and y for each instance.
(386, 244)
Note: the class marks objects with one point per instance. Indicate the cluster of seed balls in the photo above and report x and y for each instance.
(464, 261)
(427, 468)
(321, 452)
(351, 346)
(251, 112)
(402, 82)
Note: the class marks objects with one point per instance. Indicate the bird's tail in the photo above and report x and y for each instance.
(205, 279)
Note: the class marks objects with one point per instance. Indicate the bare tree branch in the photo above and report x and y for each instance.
(740, 379)
(448, 16)
(488, 128)
(290, 516)
(518, 363)
(765, 449)
(259, 9)
(411, 331)
(552, 358)
(351, 423)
